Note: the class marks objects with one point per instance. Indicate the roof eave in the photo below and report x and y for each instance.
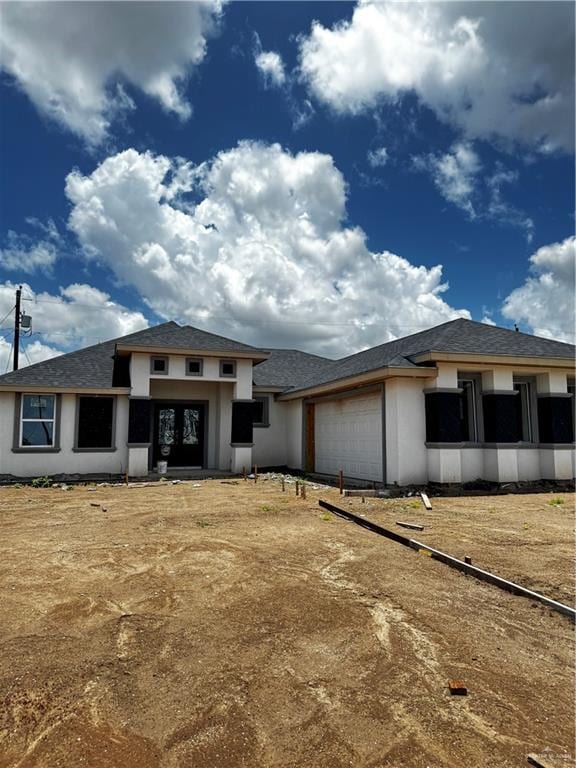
(532, 361)
(254, 355)
(369, 377)
(47, 389)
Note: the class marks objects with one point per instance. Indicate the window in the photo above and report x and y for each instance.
(524, 425)
(194, 366)
(228, 368)
(467, 410)
(95, 426)
(261, 411)
(38, 421)
(159, 365)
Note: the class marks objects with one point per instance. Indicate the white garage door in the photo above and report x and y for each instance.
(348, 436)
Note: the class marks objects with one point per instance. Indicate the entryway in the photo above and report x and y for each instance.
(179, 434)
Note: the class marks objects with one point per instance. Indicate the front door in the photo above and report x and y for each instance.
(179, 434)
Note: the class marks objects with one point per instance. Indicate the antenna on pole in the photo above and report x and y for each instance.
(17, 327)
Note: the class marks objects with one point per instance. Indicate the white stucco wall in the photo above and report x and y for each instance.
(271, 443)
(294, 457)
(406, 456)
(65, 461)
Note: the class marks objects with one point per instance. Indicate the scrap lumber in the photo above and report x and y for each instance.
(369, 492)
(547, 760)
(413, 526)
(453, 562)
(457, 688)
(426, 500)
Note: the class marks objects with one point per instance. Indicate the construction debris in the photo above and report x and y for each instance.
(413, 526)
(426, 501)
(457, 688)
(369, 492)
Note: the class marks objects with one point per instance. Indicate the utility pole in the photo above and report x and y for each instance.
(17, 327)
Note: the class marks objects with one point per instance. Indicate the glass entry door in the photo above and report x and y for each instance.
(179, 434)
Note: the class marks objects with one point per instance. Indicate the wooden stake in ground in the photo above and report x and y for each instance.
(303, 491)
(283, 485)
(341, 481)
(126, 477)
(297, 487)
(255, 473)
(244, 472)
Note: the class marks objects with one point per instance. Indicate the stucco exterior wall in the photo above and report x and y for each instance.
(294, 424)
(271, 443)
(406, 455)
(66, 460)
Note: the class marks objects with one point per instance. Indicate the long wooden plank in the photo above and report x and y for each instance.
(454, 562)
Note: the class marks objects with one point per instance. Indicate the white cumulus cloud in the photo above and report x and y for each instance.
(263, 253)
(79, 315)
(454, 174)
(271, 67)
(72, 58)
(492, 70)
(546, 300)
(378, 157)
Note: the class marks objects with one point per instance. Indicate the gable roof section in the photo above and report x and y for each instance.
(288, 368)
(93, 367)
(459, 336)
(174, 336)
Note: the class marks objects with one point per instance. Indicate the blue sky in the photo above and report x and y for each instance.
(393, 158)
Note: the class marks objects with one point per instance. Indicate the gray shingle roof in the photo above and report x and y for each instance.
(457, 336)
(291, 369)
(92, 367)
(288, 368)
(172, 335)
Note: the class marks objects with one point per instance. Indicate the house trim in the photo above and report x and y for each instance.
(350, 382)
(491, 360)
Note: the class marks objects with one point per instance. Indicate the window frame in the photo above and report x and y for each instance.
(17, 445)
(227, 375)
(265, 399)
(83, 449)
(199, 360)
(475, 411)
(166, 360)
(528, 408)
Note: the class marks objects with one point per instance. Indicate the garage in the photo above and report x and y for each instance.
(348, 437)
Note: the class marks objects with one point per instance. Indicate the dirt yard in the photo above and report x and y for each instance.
(217, 625)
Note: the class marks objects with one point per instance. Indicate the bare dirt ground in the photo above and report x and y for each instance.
(234, 625)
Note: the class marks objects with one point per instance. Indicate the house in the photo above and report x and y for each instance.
(454, 403)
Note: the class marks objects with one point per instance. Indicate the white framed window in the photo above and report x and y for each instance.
(37, 421)
(194, 366)
(262, 410)
(524, 411)
(159, 365)
(228, 368)
(468, 409)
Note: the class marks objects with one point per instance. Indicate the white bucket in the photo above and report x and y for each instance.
(162, 467)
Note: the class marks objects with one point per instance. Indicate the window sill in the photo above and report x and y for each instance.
(37, 449)
(93, 450)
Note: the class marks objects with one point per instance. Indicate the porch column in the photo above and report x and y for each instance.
(138, 436)
(242, 418)
(443, 433)
(500, 418)
(555, 426)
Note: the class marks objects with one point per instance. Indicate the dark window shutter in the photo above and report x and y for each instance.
(121, 371)
(95, 422)
(555, 420)
(443, 419)
(243, 417)
(502, 418)
(139, 421)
